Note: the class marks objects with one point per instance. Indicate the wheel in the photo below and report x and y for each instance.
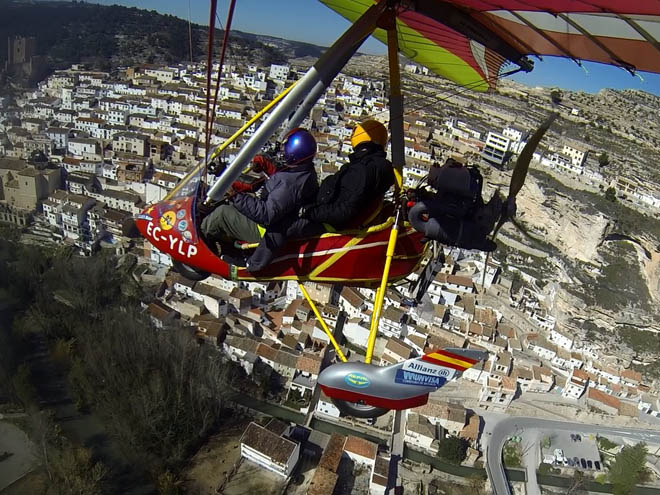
(359, 409)
(191, 273)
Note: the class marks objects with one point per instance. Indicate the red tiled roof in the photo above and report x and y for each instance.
(598, 396)
(632, 375)
(332, 454)
(360, 446)
(309, 363)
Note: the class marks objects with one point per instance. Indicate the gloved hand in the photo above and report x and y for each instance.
(242, 187)
(262, 163)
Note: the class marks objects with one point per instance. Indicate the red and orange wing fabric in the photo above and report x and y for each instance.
(467, 41)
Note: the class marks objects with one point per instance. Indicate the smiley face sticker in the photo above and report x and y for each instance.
(168, 220)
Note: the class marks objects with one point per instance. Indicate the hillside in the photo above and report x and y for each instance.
(109, 36)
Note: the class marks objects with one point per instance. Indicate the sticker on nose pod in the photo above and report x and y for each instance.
(357, 380)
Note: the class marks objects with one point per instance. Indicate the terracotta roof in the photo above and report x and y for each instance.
(275, 317)
(485, 315)
(393, 314)
(420, 425)
(471, 430)
(399, 347)
(509, 383)
(290, 341)
(418, 340)
(444, 278)
(606, 399)
(309, 363)
(628, 409)
(360, 446)
(523, 373)
(580, 375)
(540, 373)
(442, 410)
(563, 353)
(323, 482)
(269, 444)
(631, 375)
(266, 352)
(240, 293)
(381, 470)
(286, 359)
(159, 310)
(352, 296)
(506, 330)
(333, 451)
(293, 306)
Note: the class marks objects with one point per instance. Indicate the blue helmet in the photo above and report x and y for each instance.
(299, 146)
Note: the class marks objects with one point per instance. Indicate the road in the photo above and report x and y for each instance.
(498, 428)
(396, 449)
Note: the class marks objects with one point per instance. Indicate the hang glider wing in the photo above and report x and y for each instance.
(468, 41)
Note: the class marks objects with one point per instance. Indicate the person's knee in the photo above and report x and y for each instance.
(214, 222)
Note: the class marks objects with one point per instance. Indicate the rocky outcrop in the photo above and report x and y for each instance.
(561, 221)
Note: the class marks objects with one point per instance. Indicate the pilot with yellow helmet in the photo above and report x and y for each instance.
(345, 196)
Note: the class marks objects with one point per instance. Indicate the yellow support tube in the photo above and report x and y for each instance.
(380, 293)
(221, 147)
(396, 103)
(327, 331)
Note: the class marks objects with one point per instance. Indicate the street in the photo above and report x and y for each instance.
(499, 427)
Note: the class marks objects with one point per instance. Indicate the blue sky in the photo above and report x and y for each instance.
(311, 21)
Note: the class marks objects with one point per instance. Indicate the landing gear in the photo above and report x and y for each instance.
(359, 409)
(191, 273)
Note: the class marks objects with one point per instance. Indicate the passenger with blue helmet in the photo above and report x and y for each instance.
(249, 217)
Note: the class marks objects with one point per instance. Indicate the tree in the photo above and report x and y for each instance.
(23, 387)
(453, 449)
(577, 484)
(603, 159)
(629, 469)
(555, 96)
(610, 194)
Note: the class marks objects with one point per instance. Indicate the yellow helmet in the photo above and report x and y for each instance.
(369, 130)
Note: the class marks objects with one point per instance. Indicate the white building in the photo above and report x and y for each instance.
(279, 72)
(561, 339)
(576, 153)
(266, 447)
(83, 147)
(575, 384)
(496, 148)
(325, 406)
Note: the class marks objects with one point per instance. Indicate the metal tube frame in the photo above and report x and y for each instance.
(221, 147)
(396, 103)
(323, 71)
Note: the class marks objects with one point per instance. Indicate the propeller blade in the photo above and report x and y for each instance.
(522, 165)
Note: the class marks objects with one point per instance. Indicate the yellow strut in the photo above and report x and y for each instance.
(220, 148)
(325, 328)
(380, 293)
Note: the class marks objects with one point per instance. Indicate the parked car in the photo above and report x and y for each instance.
(571, 462)
(583, 463)
(597, 464)
(590, 464)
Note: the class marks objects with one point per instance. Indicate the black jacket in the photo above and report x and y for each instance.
(342, 196)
